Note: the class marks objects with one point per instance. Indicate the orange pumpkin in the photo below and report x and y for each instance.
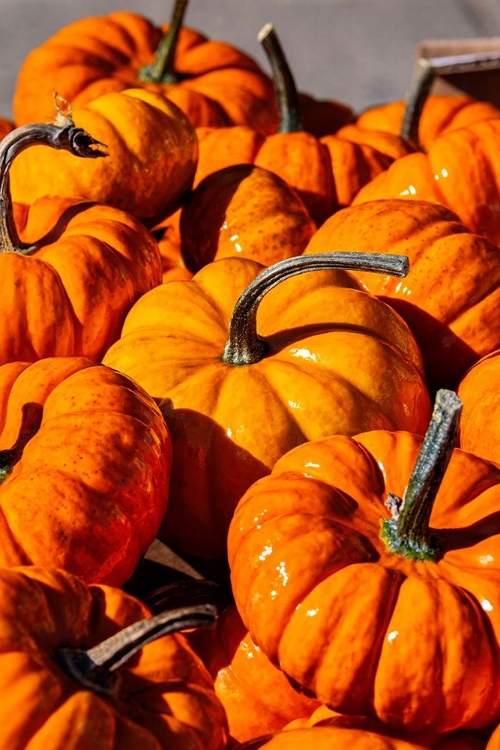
(256, 696)
(325, 548)
(337, 166)
(77, 670)
(84, 468)
(451, 296)
(242, 211)
(326, 738)
(149, 168)
(480, 393)
(459, 171)
(212, 82)
(328, 358)
(68, 280)
(440, 115)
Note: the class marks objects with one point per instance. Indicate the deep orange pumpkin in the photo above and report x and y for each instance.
(326, 738)
(480, 393)
(336, 165)
(61, 683)
(460, 171)
(84, 468)
(451, 296)
(328, 358)
(349, 590)
(257, 697)
(69, 271)
(152, 153)
(212, 82)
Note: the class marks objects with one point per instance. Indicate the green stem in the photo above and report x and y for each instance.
(31, 419)
(407, 533)
(95, 668)
(244, 346)
(62, 135)
(162, 69)
(284, 83)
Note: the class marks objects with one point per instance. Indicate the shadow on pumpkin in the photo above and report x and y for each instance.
(210, 473)
(446, 357)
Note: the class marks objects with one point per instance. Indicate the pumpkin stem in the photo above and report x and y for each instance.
(162, 69)
(244, 346)
(407, 533)
(31, 419)
(95, 667)
(426, 72)
(415, 99)
(62, 135)
(284, 83)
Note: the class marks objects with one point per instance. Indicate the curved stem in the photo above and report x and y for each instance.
(415, 99)
(244, 346)
(162, 69)
(407, 533)
(61, 135)
(93, 668)
(284, 83)
(30, 424)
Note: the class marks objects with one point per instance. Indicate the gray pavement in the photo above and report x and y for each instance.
(357, 51)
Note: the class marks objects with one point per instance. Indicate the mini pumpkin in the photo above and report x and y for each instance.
(326, 738)
(152, 153)
(211, 81)
(87, 666)
(325, 547)
(84, 468)
(480, 394)
(256, 696)
(69, 271)
(328, 357)
(451, 296)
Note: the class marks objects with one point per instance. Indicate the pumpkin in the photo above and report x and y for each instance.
(459, 171)
(212, 82)
(88, 667)
(326, 738)
(6, 127)
(325, 548)
(479, 391)
(256, 696)
(337, 167)
(451, 296)
(328, 358)
(440, 115)
(67, 282)
(84, 468)
(242, 211)
(494, 741)
(151, 163)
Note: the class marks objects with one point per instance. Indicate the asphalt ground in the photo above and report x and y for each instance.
(357, 51)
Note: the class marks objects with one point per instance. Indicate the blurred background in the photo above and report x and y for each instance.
(357, 51)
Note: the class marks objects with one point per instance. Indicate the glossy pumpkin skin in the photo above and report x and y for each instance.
(151, 164)
(440, 115)
(243, 211)
(71, 295)
(165, 697)
(451, 296)
(257, 697)
(94, 56)
(459, 171)
(339, 359)
(91, 487)
(309, 569)
(326, 738)
(479, 392)
(337, 165)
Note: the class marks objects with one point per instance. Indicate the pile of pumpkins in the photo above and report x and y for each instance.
(266, 332)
